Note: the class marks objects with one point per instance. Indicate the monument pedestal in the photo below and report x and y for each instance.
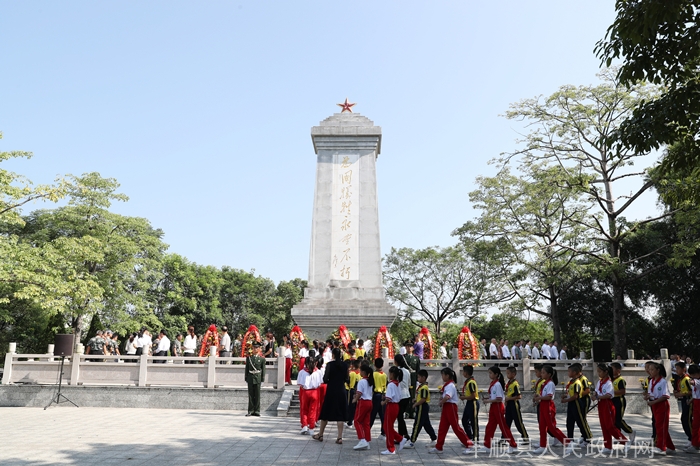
(345, 267)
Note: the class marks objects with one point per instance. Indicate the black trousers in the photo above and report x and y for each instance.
(513, 414)
(685, 417)
(422, 421)
(254, 398)
(403, 405)
(190, 355)
(161, 353)
(576, 416)
(377, 408)
(620, 404)
(470, 419)
(412, 391)
(351, 406)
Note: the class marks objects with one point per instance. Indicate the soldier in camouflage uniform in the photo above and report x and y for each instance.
(96, 345)
(254, 377)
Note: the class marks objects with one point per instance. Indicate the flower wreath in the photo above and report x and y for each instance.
(344, 336)
(428, 343)
(382, 339)
(296, 336)
(467, 345)
(211, 338)
(250, 336)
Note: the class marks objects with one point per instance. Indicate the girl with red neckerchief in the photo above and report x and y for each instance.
(391, 400)
(604, 392)
(657, 396)
(548, 411)
(363, 400)
(497, 415)
(449, 417)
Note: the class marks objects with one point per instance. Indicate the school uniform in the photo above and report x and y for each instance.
(658, 389)
(288, 366)
(422, 414)
(351, 386)
(405, 401)
(363, 410)
(684, 387)
(312, 398)
(303, 354)
(301, 380)
(470, 416)
(513, 412)
(576, 410)
(696, 414)
(497, 416)
(449, 418)
(548, 415)
(606, 413)
(620, 404)
(393, 396)
(379, 391)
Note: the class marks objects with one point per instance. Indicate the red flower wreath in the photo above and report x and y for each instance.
(383, 340)
(251, 335)
(466, 344)
(296, 336)
(427, 339)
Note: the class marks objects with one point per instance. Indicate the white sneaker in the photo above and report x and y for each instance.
(402, 444)
(633, 436)
(512, 450)
(435, 451)
(658, 451)
(387, 452)
(606, 451)
(304, 430)
(689, 444)
(555, 443)
(581, 441)
(431, 444)
(539, 451)
(361, 445)
(310, 432)
(469, 451)
(410, 444)
(483, 449)
(381, 437)
(570, 449)
(692, 449)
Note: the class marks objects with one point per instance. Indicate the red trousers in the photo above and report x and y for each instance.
(321, 397)
(302, 363)
(606, 414)
(497, 417)
(696, 423)
(548, 423)
(662, 416)
(308, 407)
(390, 415)
(362, 412)
(288, 370)
(450, 418)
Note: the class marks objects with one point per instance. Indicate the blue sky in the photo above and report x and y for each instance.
(203, 110)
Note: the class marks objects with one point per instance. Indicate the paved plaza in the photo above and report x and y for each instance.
(106, 436)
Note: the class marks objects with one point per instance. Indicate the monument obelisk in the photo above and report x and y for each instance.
(345, 265)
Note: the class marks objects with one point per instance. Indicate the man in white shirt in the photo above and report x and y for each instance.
(402, 350)
(505, 351)
(225, 345)
(562, 353)
(190, 345)
(443, 350)
(545, 350)
(535, 351)
(528, 350)
(554, 351)
(163, 346)
(493, 349)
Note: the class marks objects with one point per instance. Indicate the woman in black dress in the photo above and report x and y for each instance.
(335, 403)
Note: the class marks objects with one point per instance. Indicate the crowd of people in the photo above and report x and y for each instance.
(339, 385)
(522, 349)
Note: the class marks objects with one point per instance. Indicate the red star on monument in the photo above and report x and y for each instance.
(346, 107)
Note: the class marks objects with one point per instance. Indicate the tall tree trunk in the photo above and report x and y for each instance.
(619, 330)
(78, 328)
(554, 313)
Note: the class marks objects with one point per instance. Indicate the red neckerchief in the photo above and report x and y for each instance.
(395, 382)
(544, 385)
(364, 378)
(654, 383)
(442, 390)
(491, 386)
(508, 384)
(569, 384)
(601, 383)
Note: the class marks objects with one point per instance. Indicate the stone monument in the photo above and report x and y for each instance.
(345, 266)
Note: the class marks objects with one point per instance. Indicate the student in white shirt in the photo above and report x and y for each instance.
(363, 398)
(391, 400)
(657, 397)
(189, 346)
(547, 418)
(505, 351)
(604, 393)
(404, 386)
(493, 349)
(163, 346)
(497, 413)
(288, 363)
(449, 416)
(304, 373)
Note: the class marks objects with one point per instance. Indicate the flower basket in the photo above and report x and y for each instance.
(466, 344)
(296, 336)
(343, 335)
(247, 348)
(380, 340)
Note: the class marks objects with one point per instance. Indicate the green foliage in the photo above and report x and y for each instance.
(659, 41)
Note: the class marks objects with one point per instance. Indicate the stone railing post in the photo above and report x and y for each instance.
(279, 383)
(7, 371)
(630, 354)
(455, 361)
(666, 363)
(143, 370)
(526, 374)
(211, 369)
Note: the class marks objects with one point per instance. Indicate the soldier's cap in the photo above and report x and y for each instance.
(256, 343)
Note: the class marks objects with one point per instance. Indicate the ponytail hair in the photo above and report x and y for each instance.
(607, 369)
(550, 370)
(370, 374)
(398, 373)
(662, 370)
(400, 361)
(450, 373)
(496, 370)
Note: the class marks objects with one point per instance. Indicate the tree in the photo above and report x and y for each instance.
(536, 219)
(571, 130)
(113, 268)
(438, 284)
(659, 41)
